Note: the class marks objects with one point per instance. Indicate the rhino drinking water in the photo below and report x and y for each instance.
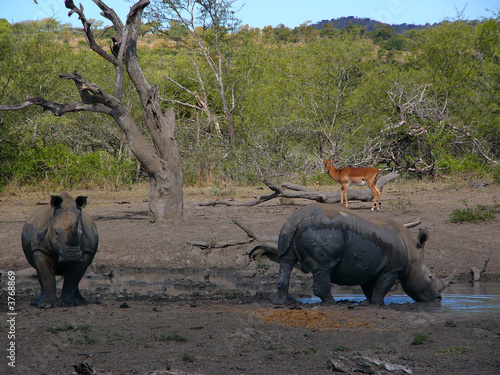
(60, 239)
(341, 247)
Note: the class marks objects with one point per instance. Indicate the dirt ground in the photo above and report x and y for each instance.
(227, 331)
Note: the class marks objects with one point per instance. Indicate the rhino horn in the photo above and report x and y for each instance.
(446, 281)
(73, 237)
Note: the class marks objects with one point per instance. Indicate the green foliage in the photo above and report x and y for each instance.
(65, 327)
(296, 96)
(222, 191)
(321, 178)
(420, 338)
(9, 152)
(496, 174)
(340, 348)
(87, 340)
(187, 358)
(173, 337)
(473, 215)
(262, 265)
(456, 350)
(400, 205)
(450, 164)
(59, 167)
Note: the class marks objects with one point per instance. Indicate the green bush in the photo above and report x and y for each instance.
(496, 174)
(472, 215)
(420, 338)
(450, 164)
(60, 167)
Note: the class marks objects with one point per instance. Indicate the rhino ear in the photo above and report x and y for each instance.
(81, 202)
(422, 238)
(56, 201)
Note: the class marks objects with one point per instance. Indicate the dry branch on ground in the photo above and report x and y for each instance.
(298, 191)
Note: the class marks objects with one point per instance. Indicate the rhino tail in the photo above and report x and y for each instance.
(287, 233)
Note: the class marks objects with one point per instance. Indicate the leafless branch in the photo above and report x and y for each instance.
(57, 109)
(302, 192)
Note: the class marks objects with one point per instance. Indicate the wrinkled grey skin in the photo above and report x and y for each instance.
(341, 247)
(60, 239)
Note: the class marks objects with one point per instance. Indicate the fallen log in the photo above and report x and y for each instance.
(217, 245)
(262, 245)
(296, 191)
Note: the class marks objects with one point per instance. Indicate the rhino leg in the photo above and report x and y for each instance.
(367, 291)
(283, 282)
(322, 284)
(47, 280)
(380, 288)
(71, 295)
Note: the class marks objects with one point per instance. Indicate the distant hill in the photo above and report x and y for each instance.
(368, 23)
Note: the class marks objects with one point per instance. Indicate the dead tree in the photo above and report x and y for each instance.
(161, 159)
(261, 245)
(299, 191)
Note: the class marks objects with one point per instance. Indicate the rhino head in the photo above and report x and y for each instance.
(420, 283)
(67, 228)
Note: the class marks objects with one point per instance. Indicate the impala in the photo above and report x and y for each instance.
(355, 176)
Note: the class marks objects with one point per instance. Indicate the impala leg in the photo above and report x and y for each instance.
(345, 192)
(376, 195)
(342, 194)
(379, 197)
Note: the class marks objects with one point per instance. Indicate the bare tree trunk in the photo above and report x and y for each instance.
(162, 160)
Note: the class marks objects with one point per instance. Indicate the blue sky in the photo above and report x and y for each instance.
(291, 13)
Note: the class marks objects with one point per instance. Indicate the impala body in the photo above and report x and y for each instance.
(355, 176)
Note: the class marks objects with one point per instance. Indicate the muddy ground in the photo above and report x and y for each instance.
(208, 329)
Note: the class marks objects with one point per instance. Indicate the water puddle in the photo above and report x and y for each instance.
(459, 297)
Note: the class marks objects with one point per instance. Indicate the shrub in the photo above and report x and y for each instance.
(480, 213)
(59, 167)
(419, 339)
(496, 174)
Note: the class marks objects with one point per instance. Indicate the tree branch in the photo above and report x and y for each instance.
(89, 35)
(57, 109)
(303, 192)
(475, 142)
